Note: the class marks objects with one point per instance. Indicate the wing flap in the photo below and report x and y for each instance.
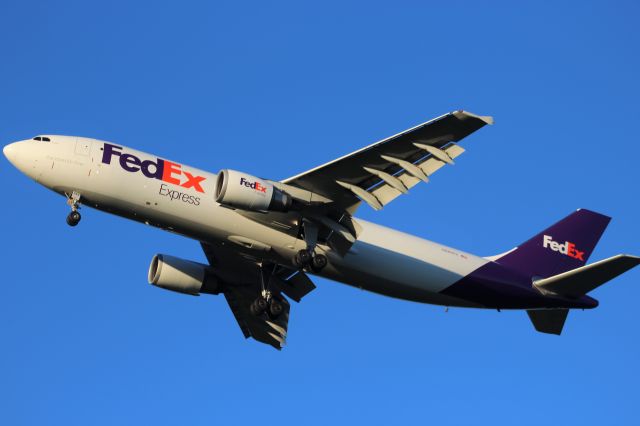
(385, 193)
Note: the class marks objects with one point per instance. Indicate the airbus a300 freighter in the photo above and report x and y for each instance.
(262, 238)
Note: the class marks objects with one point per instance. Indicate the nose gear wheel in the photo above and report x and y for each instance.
(73, 200)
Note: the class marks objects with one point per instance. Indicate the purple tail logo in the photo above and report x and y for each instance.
(568, 249)
(574, 237)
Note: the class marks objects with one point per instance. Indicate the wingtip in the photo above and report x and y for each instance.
(487, 119)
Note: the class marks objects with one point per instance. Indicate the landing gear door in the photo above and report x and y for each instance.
(83, 146)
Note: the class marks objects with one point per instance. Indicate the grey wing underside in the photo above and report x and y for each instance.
(240, 276)
(241, 286)
(380, 172)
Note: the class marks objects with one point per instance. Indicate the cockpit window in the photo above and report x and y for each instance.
(37, 138)
(42, 139)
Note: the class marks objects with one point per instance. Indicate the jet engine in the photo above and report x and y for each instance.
(182, 276)
(246, 192)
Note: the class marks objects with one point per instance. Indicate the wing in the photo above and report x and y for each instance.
(380, 172)
(240, 275)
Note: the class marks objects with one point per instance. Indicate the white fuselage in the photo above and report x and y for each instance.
(382, 260)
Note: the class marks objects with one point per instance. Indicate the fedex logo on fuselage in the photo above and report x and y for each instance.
(160, 169)
(568, 249)
(253, 185)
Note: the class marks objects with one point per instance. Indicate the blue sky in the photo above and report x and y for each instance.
(275, 88)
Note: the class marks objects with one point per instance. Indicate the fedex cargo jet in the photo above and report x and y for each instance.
(263, 238)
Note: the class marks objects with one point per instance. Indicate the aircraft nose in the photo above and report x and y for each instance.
(20, 155)
(9, 151)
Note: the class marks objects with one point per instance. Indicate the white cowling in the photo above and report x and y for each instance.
(246, 192)
(183, 276)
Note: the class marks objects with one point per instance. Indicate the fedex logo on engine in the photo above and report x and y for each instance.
(160, 169)
(253, 185)
(567, 248)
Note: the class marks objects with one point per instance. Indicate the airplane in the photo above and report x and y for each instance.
(262, 238)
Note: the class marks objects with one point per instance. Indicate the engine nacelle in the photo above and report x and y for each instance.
(246, 192)
(183, 276)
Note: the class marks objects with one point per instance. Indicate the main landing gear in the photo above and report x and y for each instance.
(308, 257)
(74, 217)
(271, 306)
(267, 302)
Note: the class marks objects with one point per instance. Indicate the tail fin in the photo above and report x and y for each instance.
(564, 246)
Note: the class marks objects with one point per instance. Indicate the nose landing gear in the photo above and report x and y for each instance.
(74, 217)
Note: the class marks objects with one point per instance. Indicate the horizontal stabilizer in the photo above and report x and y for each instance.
(580, 281)
(550, 321)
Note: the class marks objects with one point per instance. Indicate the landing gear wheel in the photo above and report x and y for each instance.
(275, 308)
(258, 306)
(73, 201)
(319, 262)
(73, 218)
(302, 258)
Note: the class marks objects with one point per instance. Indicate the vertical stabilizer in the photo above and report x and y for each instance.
(564, 246)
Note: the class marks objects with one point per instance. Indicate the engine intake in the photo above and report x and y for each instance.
(246, 192)
(182, 276)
